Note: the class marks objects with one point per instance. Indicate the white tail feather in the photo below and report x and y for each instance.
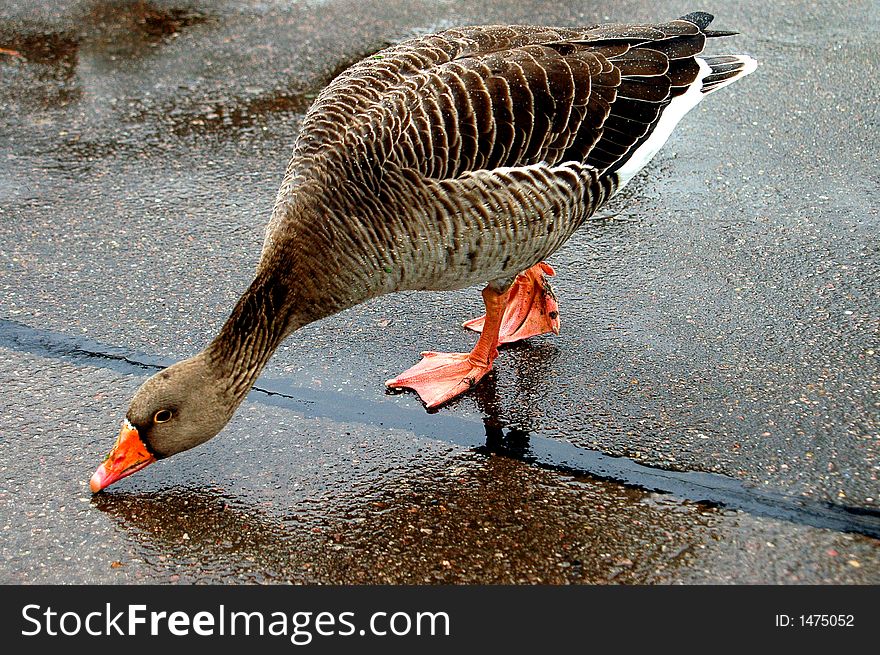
(734, 67)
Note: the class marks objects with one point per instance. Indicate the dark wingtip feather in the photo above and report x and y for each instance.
(702, 19)
(712, 33)
(699, 18)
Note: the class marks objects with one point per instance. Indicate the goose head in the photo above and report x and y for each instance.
(191, 401)
(176, 409)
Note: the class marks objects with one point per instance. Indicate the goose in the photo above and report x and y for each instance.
(455, 159)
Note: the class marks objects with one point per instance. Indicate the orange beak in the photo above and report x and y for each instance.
(129, 455)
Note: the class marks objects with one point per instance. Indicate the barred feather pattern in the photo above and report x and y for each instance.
(467, 156)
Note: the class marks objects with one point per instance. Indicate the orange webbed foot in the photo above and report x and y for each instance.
(531, 307)
(440, 377)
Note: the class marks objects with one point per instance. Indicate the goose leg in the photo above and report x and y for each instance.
(440, 377)
(531, 307)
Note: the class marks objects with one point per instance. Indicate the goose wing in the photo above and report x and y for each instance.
(500, 96)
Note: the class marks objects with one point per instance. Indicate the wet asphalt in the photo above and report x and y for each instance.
(708, 414)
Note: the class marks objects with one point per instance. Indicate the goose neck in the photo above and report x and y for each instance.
(260, 321)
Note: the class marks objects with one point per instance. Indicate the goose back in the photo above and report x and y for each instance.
(486, 97)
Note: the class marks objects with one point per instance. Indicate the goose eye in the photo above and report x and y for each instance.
(162, 416)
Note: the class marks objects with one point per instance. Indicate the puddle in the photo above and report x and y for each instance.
(123, 29)
(45, 68)
(489, 437)
(39, 69)
(132, 29)
(57, 51)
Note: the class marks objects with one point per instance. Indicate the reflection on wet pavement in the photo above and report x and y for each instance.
(488, 520)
